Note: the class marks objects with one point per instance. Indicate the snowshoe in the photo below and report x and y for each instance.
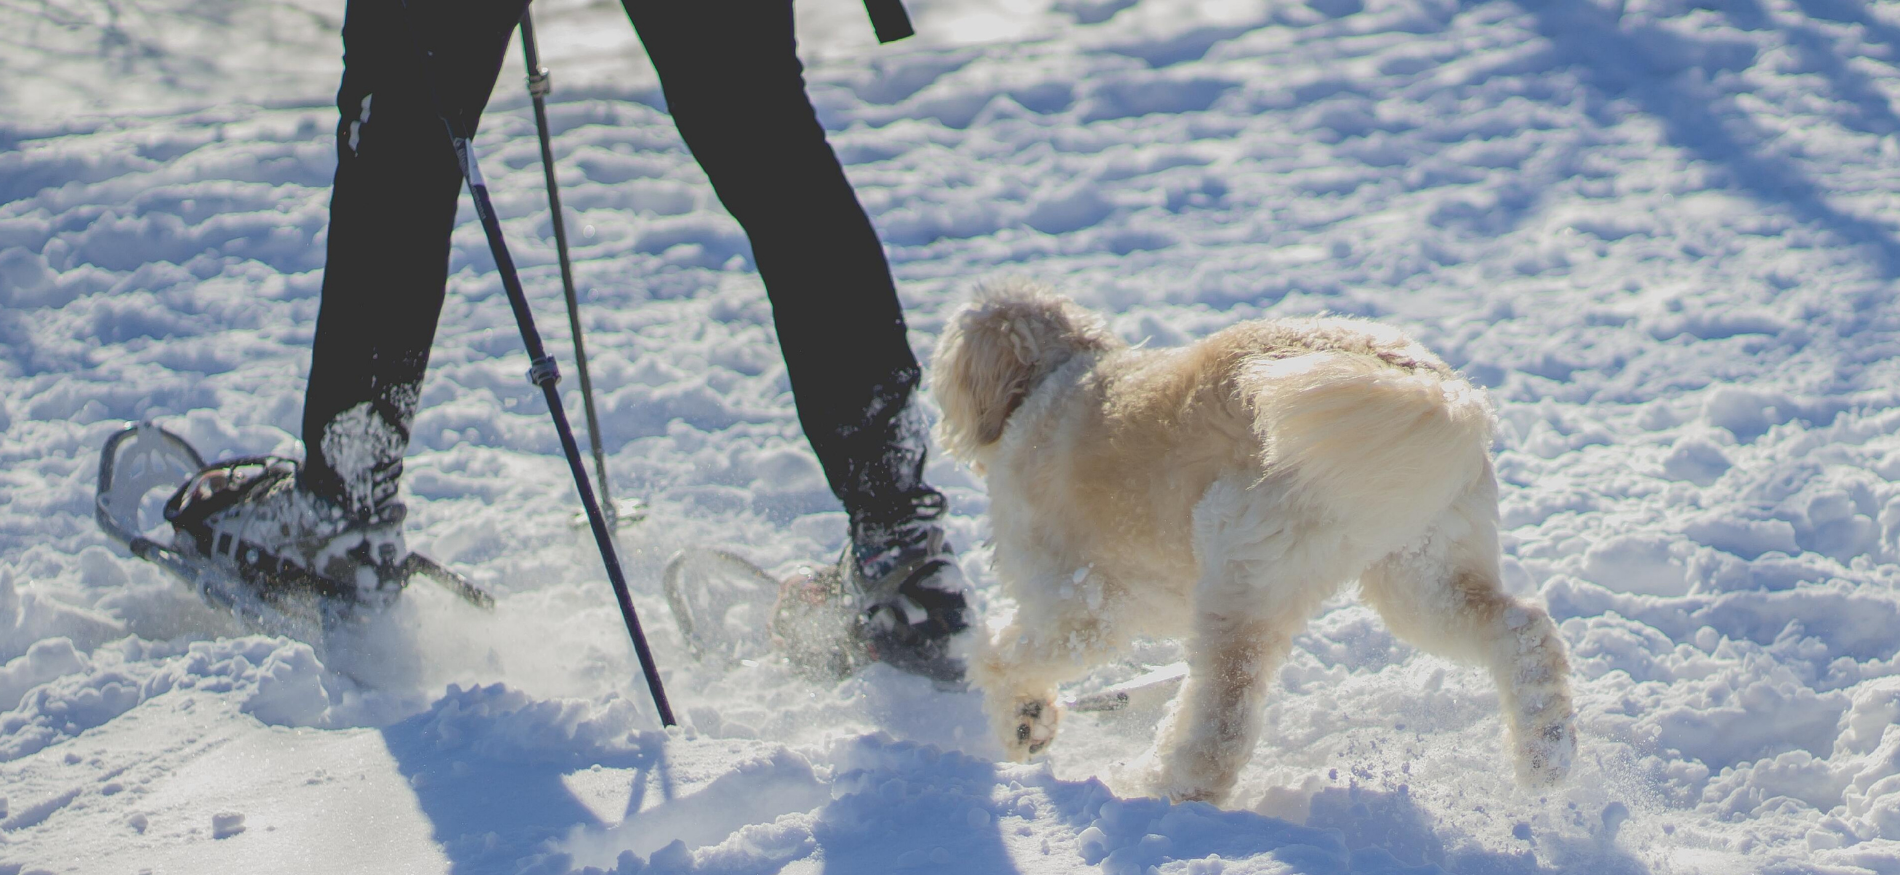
(818, 618)
(294, 592)
(732, 612)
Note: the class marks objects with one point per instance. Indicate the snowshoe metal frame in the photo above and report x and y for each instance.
(543, 372)
(701, 585)
(138, 459)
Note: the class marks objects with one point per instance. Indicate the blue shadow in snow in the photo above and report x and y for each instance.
(493, 801)
(1349, 831)
(1386, 831)
(881, 823)
(1642, 63)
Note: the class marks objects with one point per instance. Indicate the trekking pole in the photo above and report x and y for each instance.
(543, 372)
(539, 86)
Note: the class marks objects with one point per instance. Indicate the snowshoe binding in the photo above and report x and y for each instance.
(911, 594)
(249, 514)
(815, 627)
(248, 540)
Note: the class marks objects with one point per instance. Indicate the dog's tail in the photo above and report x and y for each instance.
(1369, 441)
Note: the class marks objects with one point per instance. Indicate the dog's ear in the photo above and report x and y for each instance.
(993, 352)
(980, 373)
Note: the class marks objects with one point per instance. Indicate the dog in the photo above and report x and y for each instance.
(1220, 492)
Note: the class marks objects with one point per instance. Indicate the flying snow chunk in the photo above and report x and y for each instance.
(226, 824)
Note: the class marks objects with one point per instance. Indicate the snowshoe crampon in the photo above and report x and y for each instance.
(731, 612)
(274, 598)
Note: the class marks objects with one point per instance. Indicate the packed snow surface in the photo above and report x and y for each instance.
(1660, 232)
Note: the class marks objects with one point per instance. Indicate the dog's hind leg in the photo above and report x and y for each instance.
(1262, 574)
(1444, 595)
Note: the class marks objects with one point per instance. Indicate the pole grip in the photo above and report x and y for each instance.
(889, 20)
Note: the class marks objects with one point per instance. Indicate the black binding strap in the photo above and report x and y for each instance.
(274, 576)
(192, 504)
(889, 20)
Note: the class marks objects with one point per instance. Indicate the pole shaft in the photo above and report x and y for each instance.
(537, 89)
(546, 377)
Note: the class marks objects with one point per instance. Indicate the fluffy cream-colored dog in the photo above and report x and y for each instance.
(1221, 491)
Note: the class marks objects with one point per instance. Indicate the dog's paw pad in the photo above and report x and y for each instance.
(1035, 725)
(1545, 760)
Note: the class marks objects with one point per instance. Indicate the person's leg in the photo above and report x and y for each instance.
(391, 211)
(336, 520)
(736, 90)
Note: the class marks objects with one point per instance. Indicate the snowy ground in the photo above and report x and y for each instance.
(1661, 231)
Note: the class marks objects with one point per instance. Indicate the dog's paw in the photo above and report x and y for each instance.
(1545, 753)
(1032, 728)
(1188, 773)
(1179, 778)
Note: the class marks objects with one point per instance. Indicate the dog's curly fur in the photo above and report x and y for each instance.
(1221, 491)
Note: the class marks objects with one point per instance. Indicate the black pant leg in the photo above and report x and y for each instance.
(735, 88)
(392, 209)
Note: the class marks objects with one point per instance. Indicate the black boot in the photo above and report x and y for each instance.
(896, 596)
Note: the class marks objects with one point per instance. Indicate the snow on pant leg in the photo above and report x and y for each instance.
(735, 88)
(391, 211)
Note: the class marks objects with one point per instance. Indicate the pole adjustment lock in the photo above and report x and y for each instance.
(540, 82)
(544, 372)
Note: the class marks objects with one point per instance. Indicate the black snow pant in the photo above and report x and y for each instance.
(736, 91)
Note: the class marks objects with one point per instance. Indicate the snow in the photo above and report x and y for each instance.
(1661, 233)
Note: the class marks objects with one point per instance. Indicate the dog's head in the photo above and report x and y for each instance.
(993, 352)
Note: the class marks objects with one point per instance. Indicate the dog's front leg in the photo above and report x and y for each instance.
(1020, 667)
(1216, 720)
(1262, 573)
